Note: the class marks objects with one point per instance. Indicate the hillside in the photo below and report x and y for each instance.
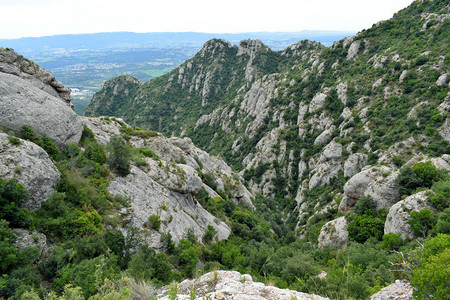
(300, 122)
(331, 180)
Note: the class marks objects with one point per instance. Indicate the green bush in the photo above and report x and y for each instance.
(421, 222)
(120, 155)
(149, 265)
(430, 277)
(361, 228)
(365, 205)
(50, 147)
(392, 241)
(12, 196)
(443, 222)
(439, 198)
(154, 221)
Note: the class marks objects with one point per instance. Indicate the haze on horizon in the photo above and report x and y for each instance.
(32, 18)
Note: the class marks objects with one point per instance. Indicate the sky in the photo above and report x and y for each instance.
(27, 18)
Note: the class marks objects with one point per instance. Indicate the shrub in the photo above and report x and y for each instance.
(365, 205)
(430, 277)
(50, 147)
(13, 140)
(119, 159)
(421, 222)
(443, 222)
(439, 198)
(361, 228)
(392, 241)
(154, 222)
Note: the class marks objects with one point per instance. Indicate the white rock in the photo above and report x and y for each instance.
(399, 214)
(31, 166)
(354, 164)
(334, 233)
(233, 285)
(317, 102)
(400, 290)
(24, 104)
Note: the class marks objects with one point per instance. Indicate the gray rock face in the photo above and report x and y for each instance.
(178, 211)
(15, 64)
(26, 239)
(400, 290)
(167, 186)
(31, 166)
(397, 219)
(443, 79)
(354, 164)
(377, 182)
(21, 103)
(233, 285)
(334, 233)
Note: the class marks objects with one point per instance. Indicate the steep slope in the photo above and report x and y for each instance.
(299, 123)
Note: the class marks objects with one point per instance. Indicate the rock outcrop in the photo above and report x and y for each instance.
(400, 290)
(168, 184)
(334, 233)
(31, 166)
(377, 182)
(233, 285)
(22, 103)
(17, 65)
(399, 214)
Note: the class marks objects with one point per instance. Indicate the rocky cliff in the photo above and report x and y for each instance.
(30, 95)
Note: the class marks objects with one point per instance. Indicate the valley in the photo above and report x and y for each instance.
(242, 170)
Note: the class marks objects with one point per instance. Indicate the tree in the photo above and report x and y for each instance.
(430, 277)
(421, 222)
(120, 155)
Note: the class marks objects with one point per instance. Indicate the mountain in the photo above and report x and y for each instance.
(339, 184)
(299, 123)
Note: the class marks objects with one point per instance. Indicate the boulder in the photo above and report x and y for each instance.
(334, 233)
(400, 290)
(31, 166)
(377, 182)
(21, 103)
(399, 214)
(26, 239)
(233, 285)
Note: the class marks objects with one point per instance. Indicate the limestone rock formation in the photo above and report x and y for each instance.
(334, 233)
(22, 103)
(233, 285)
(354, 164)
(31, 166)
(399, 214)
(377, 182)
(15, 64)
(167, 185)
(399, 290)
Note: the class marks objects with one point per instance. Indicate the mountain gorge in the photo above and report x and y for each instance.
(298, 124)
(322, 173)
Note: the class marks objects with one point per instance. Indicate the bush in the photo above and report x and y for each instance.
(439, 198)
(443, 222)
(119, 159)
(392, 241)
(361, 228)
(430, 277)
(365, 205)
(12, 196)
(154, 221)
(50, 147)
(421, 222)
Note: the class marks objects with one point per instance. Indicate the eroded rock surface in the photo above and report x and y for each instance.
(400, 290)
(31, 166)
(399, 214)
(334, 233)
(233, 285)
(21, 103)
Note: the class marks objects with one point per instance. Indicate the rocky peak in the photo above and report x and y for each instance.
(13, 63)
(212, 47)
(301, 48)
(251, 47)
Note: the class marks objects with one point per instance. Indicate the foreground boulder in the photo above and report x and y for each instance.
(31, 166)
(233, 285)
(400, 290)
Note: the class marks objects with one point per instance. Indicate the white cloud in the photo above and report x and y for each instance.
(47, 17)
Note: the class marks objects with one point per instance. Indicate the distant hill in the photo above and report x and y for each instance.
(126, 40)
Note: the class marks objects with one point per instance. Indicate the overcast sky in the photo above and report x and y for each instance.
(24, 18)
